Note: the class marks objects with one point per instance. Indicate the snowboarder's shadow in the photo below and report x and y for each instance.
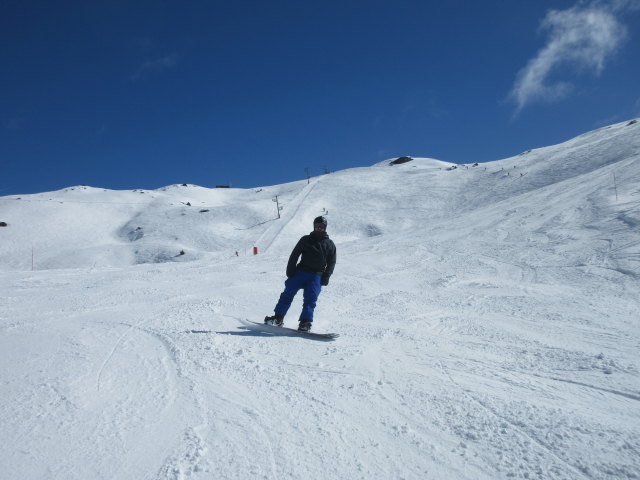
(251, 332)
(248, 333)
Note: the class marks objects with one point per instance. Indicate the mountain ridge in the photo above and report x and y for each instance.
(141, 226)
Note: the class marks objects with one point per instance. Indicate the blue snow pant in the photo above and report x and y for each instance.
(311, 283)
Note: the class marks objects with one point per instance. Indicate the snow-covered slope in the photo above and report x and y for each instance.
(488, 320)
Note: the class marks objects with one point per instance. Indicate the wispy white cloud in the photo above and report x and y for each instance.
(155, 66)
(584, 37)
(621, 5)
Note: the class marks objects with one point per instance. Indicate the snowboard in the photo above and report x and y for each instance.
(290, 331)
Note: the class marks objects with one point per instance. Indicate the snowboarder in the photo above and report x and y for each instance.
(311, 274)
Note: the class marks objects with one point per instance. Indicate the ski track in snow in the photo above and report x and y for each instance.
(574, 471)
(269, 236)
(487, 319)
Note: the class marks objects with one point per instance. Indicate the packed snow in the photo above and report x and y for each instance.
(488, 321)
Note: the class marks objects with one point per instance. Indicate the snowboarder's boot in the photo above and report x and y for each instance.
(304, 326)
(276, 320)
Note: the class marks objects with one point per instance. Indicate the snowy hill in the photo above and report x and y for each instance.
(488, 321)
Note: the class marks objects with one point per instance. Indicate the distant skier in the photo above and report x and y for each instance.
(311, 274)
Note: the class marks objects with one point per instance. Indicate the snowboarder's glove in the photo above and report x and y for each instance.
(325, 281)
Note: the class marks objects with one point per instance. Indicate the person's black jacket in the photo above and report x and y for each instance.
(318, 256)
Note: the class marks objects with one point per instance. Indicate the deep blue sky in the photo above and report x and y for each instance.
(124, 95)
